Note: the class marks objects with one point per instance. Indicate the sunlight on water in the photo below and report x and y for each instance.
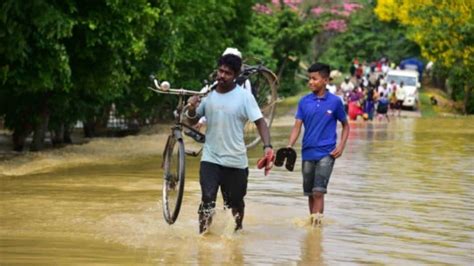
(401, 194)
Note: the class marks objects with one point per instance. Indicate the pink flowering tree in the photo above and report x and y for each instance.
(290, 26)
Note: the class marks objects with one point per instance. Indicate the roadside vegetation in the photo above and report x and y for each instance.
(69, 61)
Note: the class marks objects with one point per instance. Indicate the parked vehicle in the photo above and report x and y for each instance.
(411, 85)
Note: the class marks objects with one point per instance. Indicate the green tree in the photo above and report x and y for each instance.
(186, 43)
(109, 35)
(369, 39)
(34, 64)
(281, 37)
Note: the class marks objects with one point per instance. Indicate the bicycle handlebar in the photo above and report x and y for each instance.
(164, 88)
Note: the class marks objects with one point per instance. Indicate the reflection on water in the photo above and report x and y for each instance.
(401, 194)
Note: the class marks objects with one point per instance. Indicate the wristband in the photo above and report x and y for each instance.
(267, 146)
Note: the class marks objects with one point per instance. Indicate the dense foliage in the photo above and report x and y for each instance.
(63, 61)
(368, 39)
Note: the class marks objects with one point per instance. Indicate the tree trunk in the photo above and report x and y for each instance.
(40, 132)
(58, 135)
(67, 134)
(89, 128)
(18, 138)
(467, 98)
(282, 67)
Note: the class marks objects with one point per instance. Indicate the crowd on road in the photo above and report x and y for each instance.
(367, 93)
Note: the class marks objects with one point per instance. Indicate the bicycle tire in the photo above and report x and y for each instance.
(173, 178)
(264, 85)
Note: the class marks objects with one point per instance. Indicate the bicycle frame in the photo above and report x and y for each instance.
(179, 124)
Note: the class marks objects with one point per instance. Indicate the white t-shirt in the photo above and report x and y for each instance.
(347, 87)
(331, 88)
(226, 115)
(400, 93)
(247, 87)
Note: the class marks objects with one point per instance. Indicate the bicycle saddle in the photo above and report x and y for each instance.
(286, 153)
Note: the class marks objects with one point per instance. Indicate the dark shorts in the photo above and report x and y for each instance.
(232, 181)
(399, 104)
(316, 175)
(382, 109)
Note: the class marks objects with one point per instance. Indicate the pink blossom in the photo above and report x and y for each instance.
(293, 4)
(338, 25)
(259, 8)
(317, 11)
(351, 7)
(340, 13)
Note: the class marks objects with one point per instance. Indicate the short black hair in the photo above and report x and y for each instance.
(323, 69)
(232, 61)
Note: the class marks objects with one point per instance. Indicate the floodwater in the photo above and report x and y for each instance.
(401, 194)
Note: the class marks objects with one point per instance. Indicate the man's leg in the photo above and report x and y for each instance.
(209, 180)
(238, 214)
(234, 189)
(322, 173)
(317, 202)
(307, 169)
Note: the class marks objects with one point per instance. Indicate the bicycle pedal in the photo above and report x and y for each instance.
(199, 137)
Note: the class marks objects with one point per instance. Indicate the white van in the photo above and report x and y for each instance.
(410, 85)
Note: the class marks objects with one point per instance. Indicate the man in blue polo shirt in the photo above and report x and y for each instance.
(319, 112)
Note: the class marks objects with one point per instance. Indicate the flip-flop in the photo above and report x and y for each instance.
(286, 153)
(280, 157)
(290, 159)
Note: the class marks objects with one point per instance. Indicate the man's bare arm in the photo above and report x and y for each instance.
(337, 152)
(295, 133)
(263, 131)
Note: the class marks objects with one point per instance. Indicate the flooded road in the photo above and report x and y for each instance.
(401, 194)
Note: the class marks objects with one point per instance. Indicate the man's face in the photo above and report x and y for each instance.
(225, 76)
(316, 82)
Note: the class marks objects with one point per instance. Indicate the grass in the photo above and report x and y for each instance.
(444, 107)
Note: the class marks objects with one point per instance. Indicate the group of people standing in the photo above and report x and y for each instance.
(371, 95)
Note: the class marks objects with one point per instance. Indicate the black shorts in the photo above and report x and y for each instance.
(399, 104)
(232, 181)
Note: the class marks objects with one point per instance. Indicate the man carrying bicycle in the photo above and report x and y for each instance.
(224, 162)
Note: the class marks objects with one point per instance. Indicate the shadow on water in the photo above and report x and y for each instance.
(401, 194)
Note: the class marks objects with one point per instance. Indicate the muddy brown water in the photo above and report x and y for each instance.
(401, 194)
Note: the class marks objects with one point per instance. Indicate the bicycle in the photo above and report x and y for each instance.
(264, 88)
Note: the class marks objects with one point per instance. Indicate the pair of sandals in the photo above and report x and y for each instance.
(286, 153)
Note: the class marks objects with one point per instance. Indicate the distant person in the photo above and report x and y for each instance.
(400, 95)
(339, 93)
(359, 72)
(393, 100)
(331, 87)
(382, 107)
(369, 104)
(347, 85)
(354, 103)
(319, 112)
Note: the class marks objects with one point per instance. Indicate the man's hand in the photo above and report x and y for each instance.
(193, 102)
(267, 160)
(337, 152)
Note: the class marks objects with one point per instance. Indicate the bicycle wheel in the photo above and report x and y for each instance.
(173, 179)
(264, 84)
